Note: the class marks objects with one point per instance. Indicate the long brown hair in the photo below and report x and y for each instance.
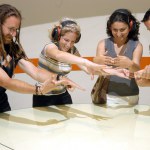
(7, 11)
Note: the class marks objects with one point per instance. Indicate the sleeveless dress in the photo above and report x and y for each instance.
(120, 86)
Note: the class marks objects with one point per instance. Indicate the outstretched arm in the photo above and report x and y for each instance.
(47, 79)
(43, 75)
(88, 66)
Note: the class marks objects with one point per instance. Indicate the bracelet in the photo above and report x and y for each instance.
(59, 76)
(38, 89)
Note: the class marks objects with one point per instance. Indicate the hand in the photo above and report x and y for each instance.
(70, 85)
(143, 82)
(94, 68)
(120, 72)
(121, 61)
(104, 59)
(107, 60)
(47, 86)
(145, 73)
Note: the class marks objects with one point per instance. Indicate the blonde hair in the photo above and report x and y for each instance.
(65, 25)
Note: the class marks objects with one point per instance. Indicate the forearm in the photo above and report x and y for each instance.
(43, 75)
(84, 68)
(19, 86)
(37, 74)
(70, 58)
(133, 67)
(98, 60)
(147, 83)
(143, 82)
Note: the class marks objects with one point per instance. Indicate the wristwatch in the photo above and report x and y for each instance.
(59, 77)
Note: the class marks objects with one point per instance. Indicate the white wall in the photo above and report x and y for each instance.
(92, 30)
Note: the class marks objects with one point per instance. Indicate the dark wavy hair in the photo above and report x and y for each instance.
(125, 16)
(7, 11)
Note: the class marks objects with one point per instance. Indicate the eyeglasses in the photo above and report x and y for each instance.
(11, 29)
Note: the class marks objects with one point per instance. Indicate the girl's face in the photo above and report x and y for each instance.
(10, 28)
(147, 24)
(120, 31)
(67, 41)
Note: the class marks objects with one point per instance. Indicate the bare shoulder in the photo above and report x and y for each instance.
(139, 47)
(51, 46)
(140, 44)
(101, 46)
(101, 42)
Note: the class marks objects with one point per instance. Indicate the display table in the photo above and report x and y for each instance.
(115, 126)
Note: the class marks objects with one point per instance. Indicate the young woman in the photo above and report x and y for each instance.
(57, 57)
(122, 49)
